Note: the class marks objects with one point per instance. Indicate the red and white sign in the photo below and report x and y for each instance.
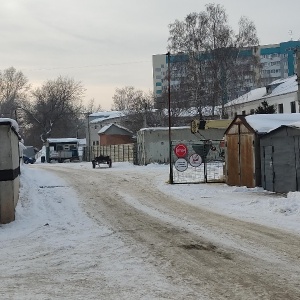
(181, 150)
(195, 160)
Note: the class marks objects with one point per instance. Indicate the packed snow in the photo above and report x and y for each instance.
(54, 238)
(251, 204)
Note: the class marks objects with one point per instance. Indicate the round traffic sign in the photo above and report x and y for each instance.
(195, 160)
(181, 164)
(181, 150)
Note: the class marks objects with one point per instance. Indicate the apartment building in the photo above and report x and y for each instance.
(278, 61)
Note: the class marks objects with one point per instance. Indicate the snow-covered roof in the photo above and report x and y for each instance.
(194, 111)
(106, 115)
(295, 124)
(287, 85)
(263, 123)
(82, 141)
(63, 140)
(253, 95)
(164, 128)
(106, 127)
(283, 86)
(13, 123)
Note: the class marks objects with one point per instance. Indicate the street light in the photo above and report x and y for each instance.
(169, 118)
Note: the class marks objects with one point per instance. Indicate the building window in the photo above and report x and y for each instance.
(293, 107)
(280, 108)
(251, 111)
(243, 112)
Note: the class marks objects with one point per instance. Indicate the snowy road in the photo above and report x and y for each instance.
(121, 233)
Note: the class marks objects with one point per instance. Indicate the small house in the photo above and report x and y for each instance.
(96, 121)
(114, 134)
(281, 93)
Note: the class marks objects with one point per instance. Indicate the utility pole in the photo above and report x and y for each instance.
(169, 118)
(298, 75)
(89, 138)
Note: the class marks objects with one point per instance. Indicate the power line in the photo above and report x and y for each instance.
(88, 66)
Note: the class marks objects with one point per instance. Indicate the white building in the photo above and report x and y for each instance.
(281, 93)
(96, 121)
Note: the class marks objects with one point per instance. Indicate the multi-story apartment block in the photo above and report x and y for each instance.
(277, 61)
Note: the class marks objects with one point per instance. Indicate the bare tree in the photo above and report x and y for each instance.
(14, 89)
(55, 109)
(137, 107)
(91, 107)
(210, 61)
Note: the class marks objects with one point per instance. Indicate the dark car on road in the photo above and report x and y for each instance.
(28, 160)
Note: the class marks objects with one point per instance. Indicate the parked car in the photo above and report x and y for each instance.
(28, 160)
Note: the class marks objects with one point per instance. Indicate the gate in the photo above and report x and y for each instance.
(198, 162)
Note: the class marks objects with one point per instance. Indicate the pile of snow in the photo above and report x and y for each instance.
(263, 123)
(13, 123)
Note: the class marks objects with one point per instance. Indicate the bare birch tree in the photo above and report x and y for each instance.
(215, 61)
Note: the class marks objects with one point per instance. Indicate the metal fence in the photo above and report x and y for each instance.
(197, 162)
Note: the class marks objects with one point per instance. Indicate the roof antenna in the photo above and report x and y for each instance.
(291, 34)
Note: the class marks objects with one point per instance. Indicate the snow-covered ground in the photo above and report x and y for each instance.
(54, 245)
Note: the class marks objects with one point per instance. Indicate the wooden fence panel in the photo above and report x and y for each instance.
(117, 153)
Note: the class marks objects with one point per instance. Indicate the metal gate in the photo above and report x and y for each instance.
(198, 162)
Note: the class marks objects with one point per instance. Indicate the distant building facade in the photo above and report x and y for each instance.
(281, 93)
(278, 61)
(96, 121)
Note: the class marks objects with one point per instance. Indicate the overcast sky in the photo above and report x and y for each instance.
(109, 44)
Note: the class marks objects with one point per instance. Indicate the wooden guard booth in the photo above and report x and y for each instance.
(242, 154)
